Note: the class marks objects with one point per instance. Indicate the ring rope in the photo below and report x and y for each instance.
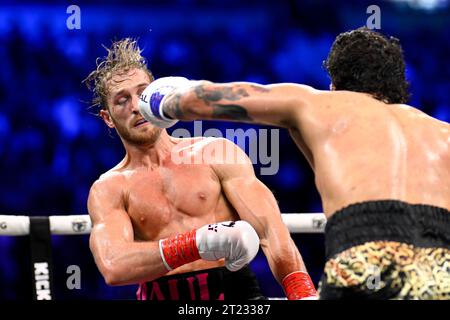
(19, 225)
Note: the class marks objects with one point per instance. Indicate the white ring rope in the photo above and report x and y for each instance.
(11, 225)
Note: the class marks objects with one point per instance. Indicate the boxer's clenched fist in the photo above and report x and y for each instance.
(152, 100)
(236, 241)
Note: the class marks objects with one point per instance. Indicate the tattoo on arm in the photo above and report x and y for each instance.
(225, 93)
(230, 112)
(233, 111)
(172, 107)
(227, 111)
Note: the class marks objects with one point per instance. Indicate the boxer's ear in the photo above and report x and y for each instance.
(104, 114)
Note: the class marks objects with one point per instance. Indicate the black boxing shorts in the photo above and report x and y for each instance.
(209, 284)
(387, 250)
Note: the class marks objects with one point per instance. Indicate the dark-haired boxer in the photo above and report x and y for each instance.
(382, 167)
(184, 230)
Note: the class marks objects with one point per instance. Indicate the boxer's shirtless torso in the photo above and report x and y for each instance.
(171, 198)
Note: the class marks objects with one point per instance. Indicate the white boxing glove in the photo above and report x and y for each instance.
(152, 100)
(236, 241)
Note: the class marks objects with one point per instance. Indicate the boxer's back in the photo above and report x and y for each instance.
(369, 150)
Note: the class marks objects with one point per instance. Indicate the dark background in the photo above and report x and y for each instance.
(52, 148)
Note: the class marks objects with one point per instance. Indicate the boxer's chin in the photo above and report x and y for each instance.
(141, 136)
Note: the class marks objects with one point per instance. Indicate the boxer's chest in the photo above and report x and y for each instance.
(170, 198)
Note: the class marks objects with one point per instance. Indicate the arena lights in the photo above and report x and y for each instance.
(425, 4)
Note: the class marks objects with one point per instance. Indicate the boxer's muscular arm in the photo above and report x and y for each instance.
(256, 204)
(276, 104)
(119, 258)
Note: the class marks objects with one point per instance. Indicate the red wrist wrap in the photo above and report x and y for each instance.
(298, 285)
(180, 249)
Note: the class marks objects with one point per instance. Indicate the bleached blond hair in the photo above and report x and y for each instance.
(123, 56)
